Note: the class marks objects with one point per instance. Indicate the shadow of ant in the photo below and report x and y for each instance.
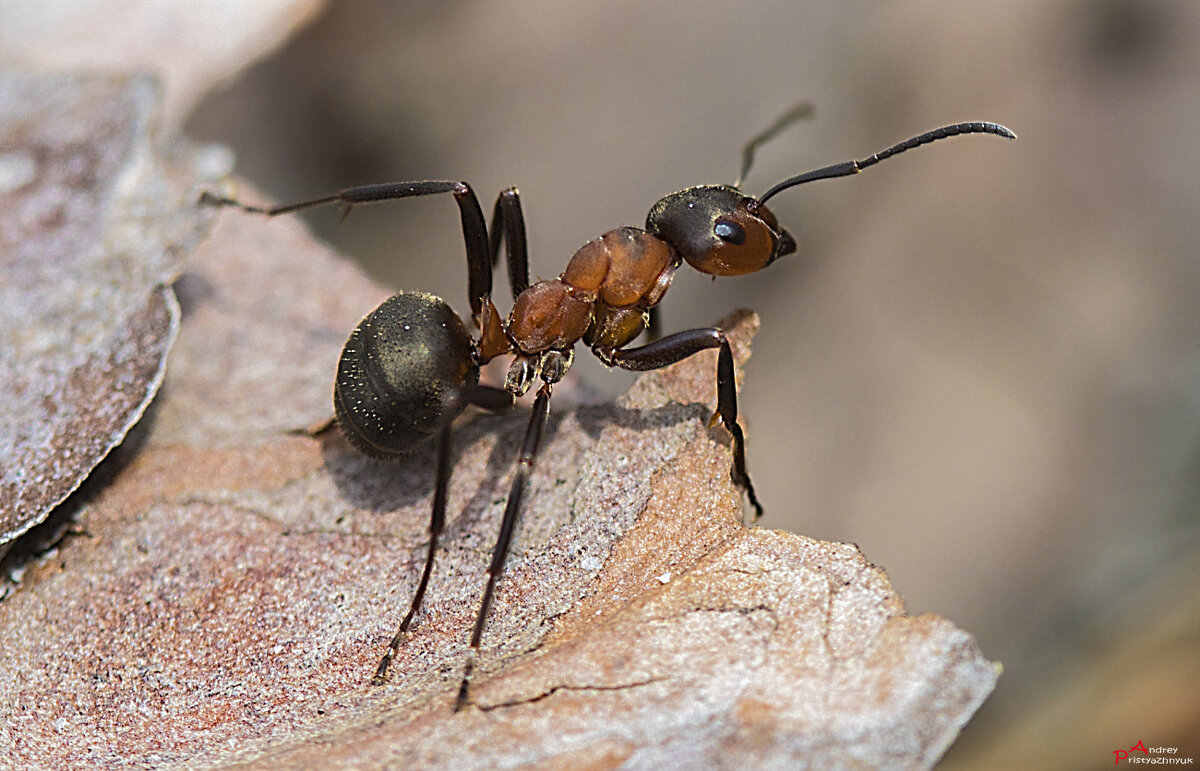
(380, 486)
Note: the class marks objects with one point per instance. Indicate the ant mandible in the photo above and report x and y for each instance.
(411, 367)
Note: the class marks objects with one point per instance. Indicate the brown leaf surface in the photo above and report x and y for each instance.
(239, 583)
(187, 46)
(91, 230)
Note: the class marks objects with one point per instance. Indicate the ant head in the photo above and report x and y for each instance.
(720, 230)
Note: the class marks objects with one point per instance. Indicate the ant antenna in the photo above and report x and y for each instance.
(802, 110)
(847, 168)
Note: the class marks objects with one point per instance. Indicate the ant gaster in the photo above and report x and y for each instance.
(410, 367)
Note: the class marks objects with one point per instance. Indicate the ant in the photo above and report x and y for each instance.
(411, 367)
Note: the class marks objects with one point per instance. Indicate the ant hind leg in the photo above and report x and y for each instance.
(474, 227)
(492, 399)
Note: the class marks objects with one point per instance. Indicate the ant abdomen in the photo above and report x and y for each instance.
(401, 374)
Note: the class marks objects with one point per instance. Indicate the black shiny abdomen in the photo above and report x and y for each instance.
(400, 374)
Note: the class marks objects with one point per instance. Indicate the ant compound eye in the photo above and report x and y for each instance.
(730, 232)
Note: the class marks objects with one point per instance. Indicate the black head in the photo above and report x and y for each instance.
(720, 230)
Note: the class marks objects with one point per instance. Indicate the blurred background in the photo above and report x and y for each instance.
(982, 365)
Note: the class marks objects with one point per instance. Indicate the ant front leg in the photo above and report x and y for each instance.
(488, 398)
(679, 346)
(475, 234)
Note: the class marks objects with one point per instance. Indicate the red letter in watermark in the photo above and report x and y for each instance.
(1120, 755)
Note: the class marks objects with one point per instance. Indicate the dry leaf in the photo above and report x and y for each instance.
(91, 230)
(239, 583)
(188, 46)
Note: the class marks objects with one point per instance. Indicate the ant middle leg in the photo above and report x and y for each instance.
(475, 234)
(508, 222)
(654, 325)
(488, 398)
(529, 452)
(679, 346)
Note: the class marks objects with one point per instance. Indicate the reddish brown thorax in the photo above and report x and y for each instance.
(602, 296)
